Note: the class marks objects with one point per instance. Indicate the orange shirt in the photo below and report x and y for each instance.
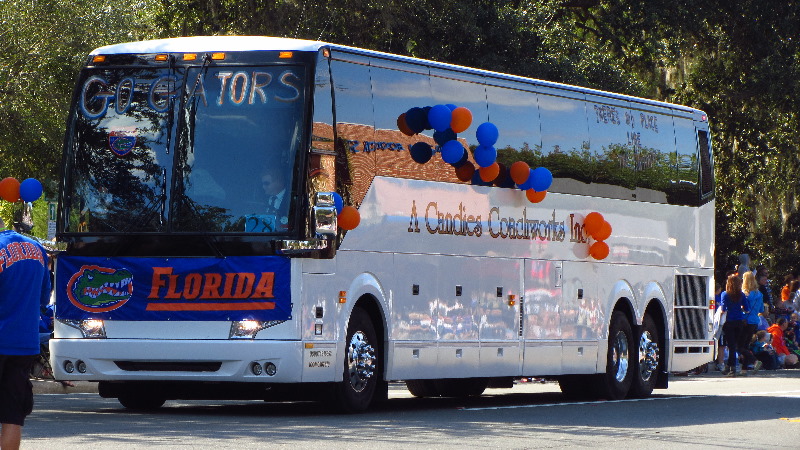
(785, 293)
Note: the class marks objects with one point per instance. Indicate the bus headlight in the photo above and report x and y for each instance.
(248, 328)
(90, 328)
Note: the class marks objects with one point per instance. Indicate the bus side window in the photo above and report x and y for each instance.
(355, 125)
(686, 187)
(515, 111)
(565, 140)
(706, 166)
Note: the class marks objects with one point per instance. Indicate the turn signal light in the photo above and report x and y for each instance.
(99, 58)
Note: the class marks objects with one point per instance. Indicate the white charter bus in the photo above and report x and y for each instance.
(263, 218)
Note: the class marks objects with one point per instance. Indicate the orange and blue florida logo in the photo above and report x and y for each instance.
(100, 289)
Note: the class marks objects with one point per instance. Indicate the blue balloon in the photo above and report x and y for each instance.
(30, 190)
(439, 117)
(421, 152)
(443, 136)
(338, 202)
(487, 134)
(452, 152)
(451, 106)
(529, 183)
(485, 155)
(542, 179)
(462, 161)
(426, 122)
(416, 120)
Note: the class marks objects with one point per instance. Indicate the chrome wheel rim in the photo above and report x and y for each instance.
(648, 356)
(620, 357)
(360, 361)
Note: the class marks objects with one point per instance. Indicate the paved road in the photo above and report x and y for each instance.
(760, 411)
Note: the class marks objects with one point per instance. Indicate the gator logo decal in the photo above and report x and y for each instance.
(100, 289)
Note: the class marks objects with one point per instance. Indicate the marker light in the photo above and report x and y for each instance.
(285, 55)
(162, 57)
(189, 56)
(218, 55)
(99, 58)
(342, 296)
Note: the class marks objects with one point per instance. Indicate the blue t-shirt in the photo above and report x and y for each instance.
(753, 305)
(734, 310)
(24, 290)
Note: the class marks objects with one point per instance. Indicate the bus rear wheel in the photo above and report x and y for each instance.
(361, 365)
(647, 363)
(616, 382)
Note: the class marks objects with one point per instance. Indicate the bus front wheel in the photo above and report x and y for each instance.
(361, 365)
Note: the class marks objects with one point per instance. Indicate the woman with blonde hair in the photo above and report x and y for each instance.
(753, 306)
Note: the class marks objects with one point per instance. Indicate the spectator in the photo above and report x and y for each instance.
(763, 351)
(791, 343)
(732, 301)
(785, 359)
(787, 285)
(766, 291)
(786, 306)
(753, 308)
(24, 290)
(720, 362)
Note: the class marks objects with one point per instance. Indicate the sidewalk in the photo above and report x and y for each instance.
(54, 387)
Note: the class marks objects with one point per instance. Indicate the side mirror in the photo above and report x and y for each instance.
(324, 212)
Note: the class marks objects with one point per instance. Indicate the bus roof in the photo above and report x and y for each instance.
(196, 44)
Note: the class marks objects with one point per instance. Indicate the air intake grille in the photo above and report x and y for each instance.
(169, 366)
(691, 307)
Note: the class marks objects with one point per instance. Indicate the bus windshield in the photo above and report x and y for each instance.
(187, 149)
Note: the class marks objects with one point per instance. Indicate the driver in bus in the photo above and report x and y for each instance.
(274, 216)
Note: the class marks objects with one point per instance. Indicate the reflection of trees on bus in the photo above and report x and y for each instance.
(617, 165)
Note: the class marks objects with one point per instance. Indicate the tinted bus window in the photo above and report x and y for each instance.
(686, 188)
(515, 111)
(612, 141)
(565, 137)
(654, 142)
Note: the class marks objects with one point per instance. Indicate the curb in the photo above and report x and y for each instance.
(54, 387)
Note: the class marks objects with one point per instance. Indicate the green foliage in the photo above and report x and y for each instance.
(736, 60)
(42, 46)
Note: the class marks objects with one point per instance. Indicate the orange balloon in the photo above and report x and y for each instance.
(403, 126)
(599, 250)
(489, 173)
(604, 232)
(520, 171)
(465, 171)
(535, 197)
(461, 119)
(592, 223)
(349, 218)
(9, 189)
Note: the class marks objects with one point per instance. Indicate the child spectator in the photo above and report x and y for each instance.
(791, 344)
(763, 351)
(785, 359)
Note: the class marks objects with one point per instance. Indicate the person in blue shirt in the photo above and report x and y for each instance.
(753, 308)
(732, 301)
(24, 290)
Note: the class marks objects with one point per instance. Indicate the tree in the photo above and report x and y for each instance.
(42, 46)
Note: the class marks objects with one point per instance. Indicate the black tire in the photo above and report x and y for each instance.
(461, 387)
(648, 360)
(578, 387)
(362, 365)
(141, 402)
(616, 382)
(422, 388)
